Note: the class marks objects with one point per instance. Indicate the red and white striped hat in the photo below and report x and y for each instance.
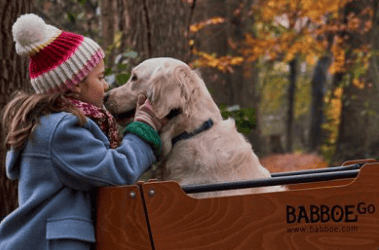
(58, 60)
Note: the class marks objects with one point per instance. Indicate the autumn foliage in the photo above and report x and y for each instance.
(308, 29)
(285, 28)
(222, 63)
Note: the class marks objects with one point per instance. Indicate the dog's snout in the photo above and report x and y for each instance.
(106, 97)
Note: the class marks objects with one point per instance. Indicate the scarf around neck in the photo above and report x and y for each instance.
(102, 118)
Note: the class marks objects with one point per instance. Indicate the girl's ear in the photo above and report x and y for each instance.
(76, 89)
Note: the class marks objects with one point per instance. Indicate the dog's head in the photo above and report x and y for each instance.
(168, 83)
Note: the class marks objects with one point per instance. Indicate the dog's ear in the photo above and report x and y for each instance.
(173, 91)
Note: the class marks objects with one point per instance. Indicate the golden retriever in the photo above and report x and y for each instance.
(217, 153)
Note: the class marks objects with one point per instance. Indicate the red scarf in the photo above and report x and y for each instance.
(103, 118)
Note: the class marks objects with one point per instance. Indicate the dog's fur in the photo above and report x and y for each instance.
(219, 154)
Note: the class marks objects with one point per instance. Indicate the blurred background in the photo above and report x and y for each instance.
(300, 77)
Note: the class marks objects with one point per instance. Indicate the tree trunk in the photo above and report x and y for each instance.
(354, 132)
(214, 39)
(158, 28)
(358, 136)
(240, 86)
(13, 76)
(372, 148)
(123, 24)
(318, 85)
(243, 81)
(291, 101)
(108, 28)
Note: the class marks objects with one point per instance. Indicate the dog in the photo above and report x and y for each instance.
(198, 145)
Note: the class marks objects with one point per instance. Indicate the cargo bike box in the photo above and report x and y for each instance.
(333, 208)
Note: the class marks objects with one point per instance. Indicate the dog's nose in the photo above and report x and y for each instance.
(106, 97)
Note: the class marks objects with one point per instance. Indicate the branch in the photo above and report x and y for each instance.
(189, 21)
(192, 10)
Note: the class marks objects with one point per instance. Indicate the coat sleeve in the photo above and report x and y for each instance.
(83, 160)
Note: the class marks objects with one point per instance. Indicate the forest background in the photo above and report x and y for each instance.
(299, 76)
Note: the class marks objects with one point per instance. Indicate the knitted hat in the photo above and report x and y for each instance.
(58, 60)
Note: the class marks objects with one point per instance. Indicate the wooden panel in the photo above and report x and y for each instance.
(326, 218)
(320, 184)
(121, 222)
(351, 162)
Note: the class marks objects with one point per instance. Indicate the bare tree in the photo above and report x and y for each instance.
(227, 38)
(358, 136)
(13, 76)
(108, 27)
(317, 107)
(122, 24)
(157, 28)
(293, 75)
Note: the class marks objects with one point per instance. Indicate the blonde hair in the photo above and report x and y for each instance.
(21, 115)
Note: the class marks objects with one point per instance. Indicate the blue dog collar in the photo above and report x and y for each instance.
(184, 136)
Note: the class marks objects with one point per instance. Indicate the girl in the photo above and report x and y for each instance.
(62, 144)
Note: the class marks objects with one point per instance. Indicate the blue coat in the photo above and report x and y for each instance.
(58, 170)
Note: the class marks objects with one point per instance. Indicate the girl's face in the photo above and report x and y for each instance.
(92, 88)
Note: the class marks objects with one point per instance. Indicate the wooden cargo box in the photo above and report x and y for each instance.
(328, 214)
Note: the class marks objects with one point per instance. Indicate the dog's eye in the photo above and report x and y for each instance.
(134, 78)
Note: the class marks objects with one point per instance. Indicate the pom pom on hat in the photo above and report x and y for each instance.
(58, 60)
(31, 33)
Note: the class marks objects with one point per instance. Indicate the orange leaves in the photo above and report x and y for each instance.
(339, 56)
(333, 117)
(318, 9)
(358, 84)
(361, 23)
(367, 26)
(289, 44)
(335, 103)
(213, 21)
(255, 47)
(357, 62)
(354, 23)
(223, 63)
(311, 58)
(272, 8)
(312, 9)
(284, 29)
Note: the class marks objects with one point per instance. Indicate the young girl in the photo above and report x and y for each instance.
(62, 144)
